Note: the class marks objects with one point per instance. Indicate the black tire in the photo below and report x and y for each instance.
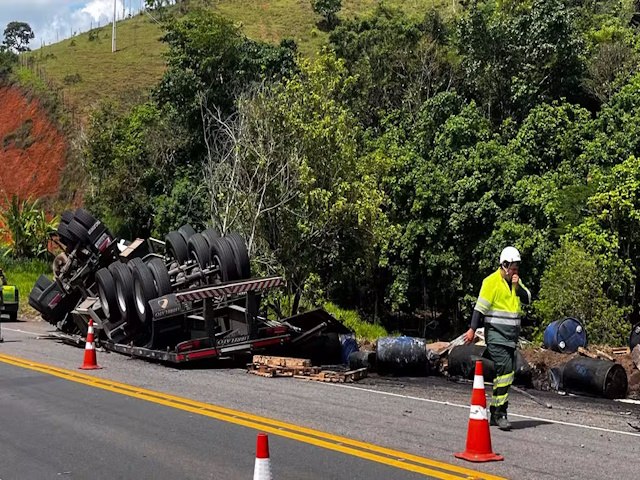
(67, 216)
(241, 255)
(176, 247)
(85, 218)
(144, 290)
(222, 257)
(108, 294)
(124, 290)
(65, 236)
(160, 276)
(78, 232)
(199, 250)
(210, 234)
(187, 231)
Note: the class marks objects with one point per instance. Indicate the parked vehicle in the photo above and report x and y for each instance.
(9, 300)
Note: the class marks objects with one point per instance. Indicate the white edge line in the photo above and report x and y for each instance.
(440, 402)
(627, 400)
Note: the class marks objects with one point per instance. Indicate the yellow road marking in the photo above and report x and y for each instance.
(375, 453)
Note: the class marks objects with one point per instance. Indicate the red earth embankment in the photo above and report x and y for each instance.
(33, 151)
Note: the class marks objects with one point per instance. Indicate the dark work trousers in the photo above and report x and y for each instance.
(503, 358)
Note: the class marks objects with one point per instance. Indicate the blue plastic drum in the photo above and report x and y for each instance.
(565, 335)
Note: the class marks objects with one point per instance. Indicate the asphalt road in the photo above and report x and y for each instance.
(427, 417)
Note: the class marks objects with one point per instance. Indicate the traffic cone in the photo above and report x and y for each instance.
(262, 469)
(478, 436)
(90, 362)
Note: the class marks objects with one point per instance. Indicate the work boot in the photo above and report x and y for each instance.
(492, 418)
(503, 422)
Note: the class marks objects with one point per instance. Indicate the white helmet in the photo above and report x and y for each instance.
(509, 255)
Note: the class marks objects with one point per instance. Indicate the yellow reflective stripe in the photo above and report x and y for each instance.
(503, 380)
(499, 400)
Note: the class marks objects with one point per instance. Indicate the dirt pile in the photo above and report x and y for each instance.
(542, 360)
(33, 151)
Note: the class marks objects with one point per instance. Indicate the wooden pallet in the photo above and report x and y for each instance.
(274, 371)
(335, 377)
(281, 361)
(621, 351)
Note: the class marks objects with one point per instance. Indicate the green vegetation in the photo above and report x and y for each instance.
(363, 329)
(27, 229)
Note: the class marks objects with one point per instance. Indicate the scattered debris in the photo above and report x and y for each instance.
(620, 351)
(335, 377)
(300, 368)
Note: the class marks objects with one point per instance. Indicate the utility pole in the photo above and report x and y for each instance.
(113, 33)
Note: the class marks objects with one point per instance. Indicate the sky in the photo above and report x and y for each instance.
(53, 20)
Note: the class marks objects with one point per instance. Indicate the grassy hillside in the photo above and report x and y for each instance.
(87, 72)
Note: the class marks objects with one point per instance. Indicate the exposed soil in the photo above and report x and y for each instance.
(33, 151)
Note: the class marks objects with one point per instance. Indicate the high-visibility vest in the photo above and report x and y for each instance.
(502, 311)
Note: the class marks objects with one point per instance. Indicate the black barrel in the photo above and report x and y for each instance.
(402, 355)
(596, 377)
(462, 363)
(634, 338)
(362, 359)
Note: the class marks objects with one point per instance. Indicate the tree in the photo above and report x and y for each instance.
(17, 36)
(328, 9)
(286, 170)
(574, 286)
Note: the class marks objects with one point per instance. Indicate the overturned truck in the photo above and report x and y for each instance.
(190, 297)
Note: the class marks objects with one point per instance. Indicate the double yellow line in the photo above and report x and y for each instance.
(374, 453)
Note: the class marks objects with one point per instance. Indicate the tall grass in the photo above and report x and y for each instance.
(364, 330)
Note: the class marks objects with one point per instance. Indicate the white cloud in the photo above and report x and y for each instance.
(53, 20)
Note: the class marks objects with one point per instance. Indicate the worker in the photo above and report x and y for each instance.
(499, 307)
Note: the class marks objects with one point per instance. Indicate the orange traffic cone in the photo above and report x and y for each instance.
(478, 436)
(90, 362)
(262, 469)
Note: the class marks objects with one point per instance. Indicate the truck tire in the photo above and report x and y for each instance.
(108, 294)
(67, 216)
(124, 290)
(144, 290)
(160, 276)
(210, 234)
(199, 250)
(78, 232)
(66, 237)
(85, 218)
(176, 247)
(187, 231)
(222, 257)
(240, 254)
